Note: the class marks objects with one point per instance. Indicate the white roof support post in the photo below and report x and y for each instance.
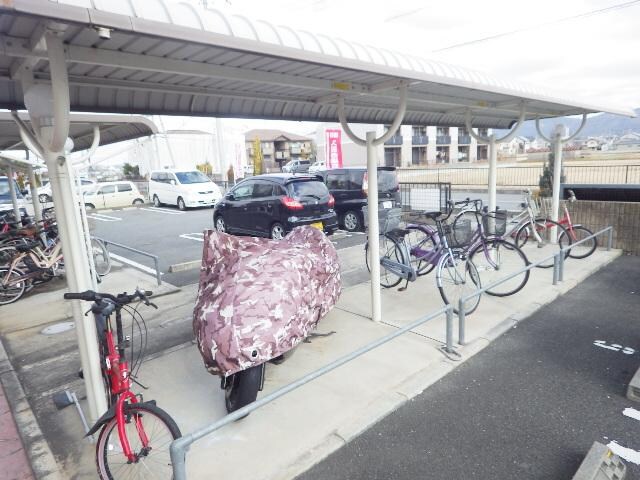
(13, 193)
(49, 114)
(371, 143)
(493, 151)
(33, 188)
(557, 142)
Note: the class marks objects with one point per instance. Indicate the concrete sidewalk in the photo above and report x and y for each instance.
(291, 434)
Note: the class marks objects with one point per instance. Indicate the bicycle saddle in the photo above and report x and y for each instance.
(398, 233)
(26, 247)
(433, 215)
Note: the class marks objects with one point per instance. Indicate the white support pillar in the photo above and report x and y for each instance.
(493, 172)
(13, 193)
(37, 209)
(557, 173)
(372, 143)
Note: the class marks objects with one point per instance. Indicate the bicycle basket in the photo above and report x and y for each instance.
(460, 233)
(494, 224)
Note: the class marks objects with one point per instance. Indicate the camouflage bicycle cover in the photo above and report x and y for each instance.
(259, 298)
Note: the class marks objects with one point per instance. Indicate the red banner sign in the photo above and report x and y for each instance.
(333, 148)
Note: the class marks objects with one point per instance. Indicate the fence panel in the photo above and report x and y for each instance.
(421, 196)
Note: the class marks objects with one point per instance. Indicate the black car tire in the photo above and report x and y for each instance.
(351, 221)
(156, 201)
(181, 204)
(277, 231)
(89, 206)
(44, 198)
(219, 224)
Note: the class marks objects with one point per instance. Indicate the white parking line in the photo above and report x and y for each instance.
(162, 210)
(103, 218)
(198, 236)
(137, 265)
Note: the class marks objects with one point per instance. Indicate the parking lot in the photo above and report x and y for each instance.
(174, 236)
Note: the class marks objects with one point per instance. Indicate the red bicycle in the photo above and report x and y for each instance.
(135, 435)
(576, 233)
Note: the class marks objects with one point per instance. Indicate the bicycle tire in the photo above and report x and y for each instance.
(419, 239)
(590, 245)
(110, 459)
(11, 293)
(543, 227)
(101, 257)
(390, 249)
(498, 249)
(7, 253)
(473, 218)
(462, 287)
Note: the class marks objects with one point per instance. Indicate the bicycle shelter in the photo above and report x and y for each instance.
(163, 58)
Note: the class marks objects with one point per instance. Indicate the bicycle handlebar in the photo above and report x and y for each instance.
(120, 299)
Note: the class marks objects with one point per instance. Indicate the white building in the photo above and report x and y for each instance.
(411, 146)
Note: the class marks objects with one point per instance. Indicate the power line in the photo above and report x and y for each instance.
(534, 27)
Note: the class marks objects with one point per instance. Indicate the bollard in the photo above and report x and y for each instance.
(461, 321)
(556, 268)
(449, 347)
(610, 239)
(561, 266)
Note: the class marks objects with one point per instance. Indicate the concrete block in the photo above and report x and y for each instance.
(601, 464)
(633, 390)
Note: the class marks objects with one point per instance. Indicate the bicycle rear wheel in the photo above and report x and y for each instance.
(154, 460)
(388, 249)
(496, 259)
(11, 288)
(456, 278)
(101, 257)
(421, 244)
(577, 233)
(550, 243)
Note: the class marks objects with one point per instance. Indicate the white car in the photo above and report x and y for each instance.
(318, 166)
(112, 195)
(184, 188)
(5, 197)
(45, 195)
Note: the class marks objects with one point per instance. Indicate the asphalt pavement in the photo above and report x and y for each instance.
(529, 406)
(174, 236)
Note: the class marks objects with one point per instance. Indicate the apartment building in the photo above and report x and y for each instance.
(421, 145)
(278, 147)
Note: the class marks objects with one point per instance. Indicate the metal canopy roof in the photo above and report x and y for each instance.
(175, 58)
(113, 128)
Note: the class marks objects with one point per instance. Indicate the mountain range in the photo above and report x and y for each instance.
(602, 124)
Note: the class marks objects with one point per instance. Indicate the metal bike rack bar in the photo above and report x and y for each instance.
(180, 445)
(558, 267)
(139, 252)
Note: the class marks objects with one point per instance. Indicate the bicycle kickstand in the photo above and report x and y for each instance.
(406, 285)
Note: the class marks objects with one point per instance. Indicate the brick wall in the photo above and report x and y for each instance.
(623, 216)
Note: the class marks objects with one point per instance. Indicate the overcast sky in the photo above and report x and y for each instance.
(595, 56)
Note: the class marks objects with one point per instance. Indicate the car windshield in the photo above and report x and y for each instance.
(309, 188)
(192, 177)
(5, 195)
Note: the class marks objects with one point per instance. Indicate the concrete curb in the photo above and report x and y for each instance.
(413, 386)
(43, 463)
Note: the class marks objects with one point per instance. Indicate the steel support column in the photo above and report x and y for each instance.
(371, 143)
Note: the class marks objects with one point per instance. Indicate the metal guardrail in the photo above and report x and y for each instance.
(179, 446)
(558, 275)
(139, 252)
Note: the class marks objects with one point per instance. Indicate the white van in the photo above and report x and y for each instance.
(112, 195)
(184, 188)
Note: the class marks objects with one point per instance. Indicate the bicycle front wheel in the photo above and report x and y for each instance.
(422, 249)
(496, 259)
(541, 239)
(11, 287)
(389, 249)
(153, 460)
(101, 257)
(456, 278)
(575, 234)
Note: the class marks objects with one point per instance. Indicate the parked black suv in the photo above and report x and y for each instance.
(272, 205)
(349, 187)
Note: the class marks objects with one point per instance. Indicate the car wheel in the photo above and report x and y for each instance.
(277, 231)
(220, 225)
(89, 206)
(181, 205)
(138, 201)
(156, 201)
(351, 221)
(44, 198)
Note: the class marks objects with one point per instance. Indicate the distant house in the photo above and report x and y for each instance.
(278, 147)
(538, 144)
(629, 141)
(515, 146)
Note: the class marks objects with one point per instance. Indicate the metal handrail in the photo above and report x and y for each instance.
(179, 446)
(558, 272)
(139, 252)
